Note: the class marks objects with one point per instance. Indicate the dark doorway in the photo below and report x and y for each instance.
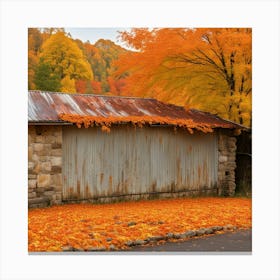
(243, 172)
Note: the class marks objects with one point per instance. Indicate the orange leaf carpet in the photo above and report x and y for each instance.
(85, 226)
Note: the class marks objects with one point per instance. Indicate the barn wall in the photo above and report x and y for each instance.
(137, 163)
(209, 174)
(44, 165)
(227, 163)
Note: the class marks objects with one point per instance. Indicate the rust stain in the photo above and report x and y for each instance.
(205, 171)
(154, 186)
(76, 160)
(199, 171)
(83, 169)
(118, 189)
(101, 178)
(72, 194)
(188, 180)
(173, 188)
(87, 192)
(110, 185)
(123, 186)
(179, 173)
(78, 189)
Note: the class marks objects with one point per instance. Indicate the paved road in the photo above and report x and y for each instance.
(240, 241)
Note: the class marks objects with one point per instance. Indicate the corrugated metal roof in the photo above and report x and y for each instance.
(46, 107)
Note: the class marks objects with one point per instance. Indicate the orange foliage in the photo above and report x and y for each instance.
(80, 86)
(83, 86)
(116, 86)
(139, 121)
(208, 68)
(88, 225)
(96, 87)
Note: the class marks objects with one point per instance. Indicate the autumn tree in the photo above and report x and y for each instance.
(53, 30)
(116, 85)
(206, 68)
(79, 66)
(109, 52)
(80, 86)
(36, 37)
(35, 40)
(101, 56)
(96, 87)
(88, 87)
(66, 60)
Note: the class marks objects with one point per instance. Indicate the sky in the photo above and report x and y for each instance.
(94, 34)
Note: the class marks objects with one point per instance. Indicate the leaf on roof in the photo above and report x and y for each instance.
(137, 121)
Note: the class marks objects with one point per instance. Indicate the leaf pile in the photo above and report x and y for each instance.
(85, 226)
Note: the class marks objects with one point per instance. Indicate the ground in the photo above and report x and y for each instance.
(121, 226)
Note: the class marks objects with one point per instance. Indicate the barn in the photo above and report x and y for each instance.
(93, 148)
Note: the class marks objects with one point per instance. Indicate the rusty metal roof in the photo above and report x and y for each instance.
(46, 106)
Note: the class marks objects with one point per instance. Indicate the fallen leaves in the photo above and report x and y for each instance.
(140, 121)
(87, 226)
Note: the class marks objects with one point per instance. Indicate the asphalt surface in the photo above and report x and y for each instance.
(238, 241)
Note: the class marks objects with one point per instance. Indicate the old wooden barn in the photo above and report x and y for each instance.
(106, 148)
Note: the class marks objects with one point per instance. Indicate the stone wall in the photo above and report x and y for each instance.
(44, 165)
(226, 163)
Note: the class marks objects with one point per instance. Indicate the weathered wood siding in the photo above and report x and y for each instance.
(136, 161)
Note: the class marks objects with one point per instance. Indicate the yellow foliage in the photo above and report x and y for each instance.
(65, 57)
(32, 64)
(68, 85)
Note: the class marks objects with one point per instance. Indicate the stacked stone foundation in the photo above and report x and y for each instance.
(44, 165)
(226, 164)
